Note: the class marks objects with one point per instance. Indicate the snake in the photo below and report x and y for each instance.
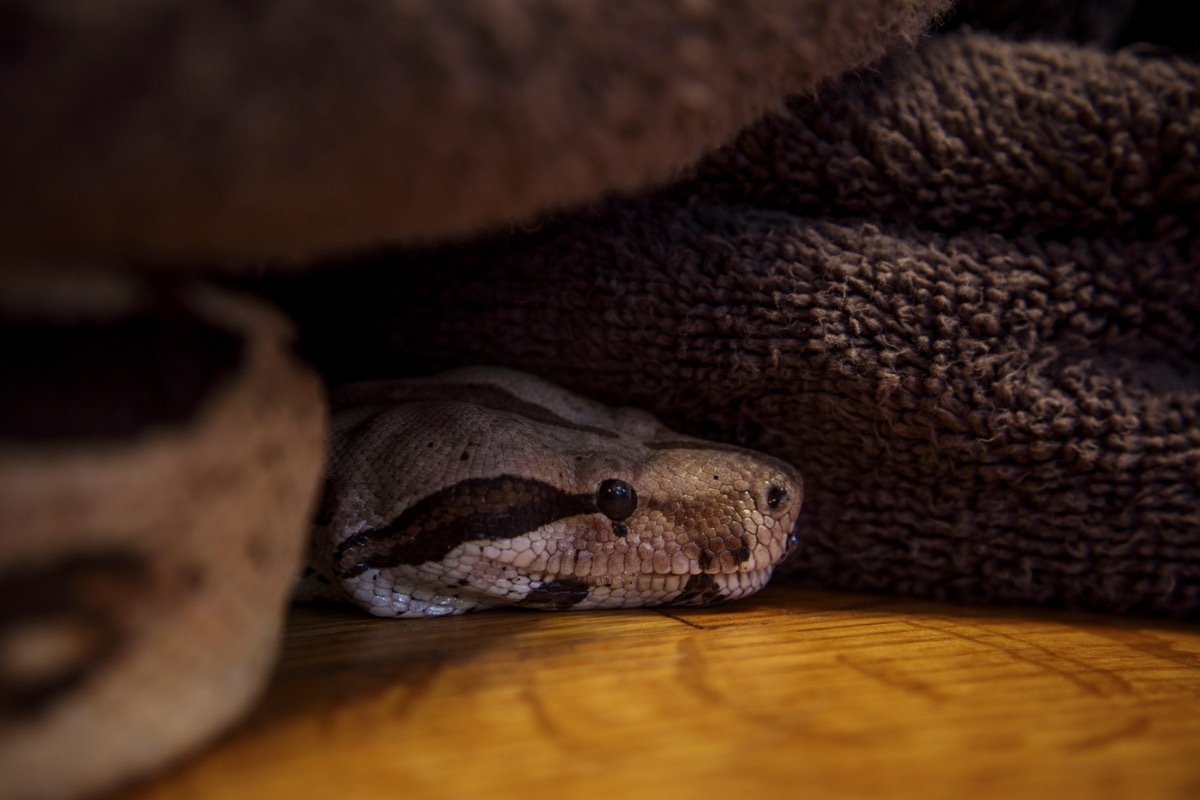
(488, 487)
(182, 476)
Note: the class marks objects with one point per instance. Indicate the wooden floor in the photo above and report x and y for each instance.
(791, 694)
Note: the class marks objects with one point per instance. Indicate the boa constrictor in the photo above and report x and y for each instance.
(157, 475)
(486, 487)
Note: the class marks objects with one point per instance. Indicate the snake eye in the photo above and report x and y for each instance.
(776, 494)
(616, 499)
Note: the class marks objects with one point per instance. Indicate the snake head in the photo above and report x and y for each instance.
(692, 523)
(487, 487)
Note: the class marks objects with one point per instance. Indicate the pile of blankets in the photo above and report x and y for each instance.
(946, 260)
(958, 288)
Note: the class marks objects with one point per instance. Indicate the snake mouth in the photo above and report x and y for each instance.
(706, 589)
(561, 593)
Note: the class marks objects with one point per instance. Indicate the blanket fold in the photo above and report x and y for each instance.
(220, 134)
(973, 131)
(963, 295)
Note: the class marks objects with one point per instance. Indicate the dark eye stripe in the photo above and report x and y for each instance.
(475, 510)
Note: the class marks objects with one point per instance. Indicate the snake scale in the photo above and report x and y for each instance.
(154, 527)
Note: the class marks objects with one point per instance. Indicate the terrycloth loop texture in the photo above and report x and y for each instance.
(179, 133)
(961, 293)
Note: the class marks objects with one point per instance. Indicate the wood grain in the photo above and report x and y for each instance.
(793, 693)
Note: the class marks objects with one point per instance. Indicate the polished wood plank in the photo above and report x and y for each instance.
(793, 693)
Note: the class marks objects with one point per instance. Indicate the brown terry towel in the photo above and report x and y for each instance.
(180, 132)
(960, 290)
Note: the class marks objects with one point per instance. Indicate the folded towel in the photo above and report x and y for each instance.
(961, 291)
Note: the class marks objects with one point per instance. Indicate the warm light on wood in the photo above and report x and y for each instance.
(790, 694)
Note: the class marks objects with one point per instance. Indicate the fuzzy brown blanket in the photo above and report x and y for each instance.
(961, 290)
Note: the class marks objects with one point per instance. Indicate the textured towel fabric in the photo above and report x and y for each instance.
(961, 292)
(178, 133)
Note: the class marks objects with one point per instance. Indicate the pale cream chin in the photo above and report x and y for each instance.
(385, 593)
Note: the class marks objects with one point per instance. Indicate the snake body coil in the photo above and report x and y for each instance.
(151, 533)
